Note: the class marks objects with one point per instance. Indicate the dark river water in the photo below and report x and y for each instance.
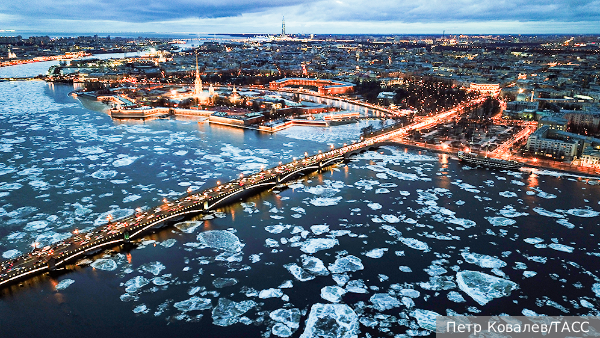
(393, 238)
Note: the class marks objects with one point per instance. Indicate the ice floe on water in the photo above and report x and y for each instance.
(90, 150)
(414, 243)
(221, 282)
(425, 318)
(314, 265)
(581, 212)
(376, 253)
(193, 304)
(482, 287)
(348, 263)
(124, 161)
(510, 211)
(483, 261)
(561, 247)
(287, 321)
(189, 226)
(9, 254)
(221, 240)
(332, 293)
(298, 272)
(331, 320)
(317, 244)
(270, 293)
(455, 297)
(383, 301)
(544, 212)
(153, 267)
(325, 201)
(356, 286)
(500, 221)
(105, 264)
(65, 283)
(565, 223)
(319, 229)
(228, 312)
(104, 174)
(135, 284)
(374, 206)
(507, 194)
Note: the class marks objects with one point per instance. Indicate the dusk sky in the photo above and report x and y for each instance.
(304, 16)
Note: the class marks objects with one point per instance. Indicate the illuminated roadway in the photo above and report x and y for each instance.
(118, 232)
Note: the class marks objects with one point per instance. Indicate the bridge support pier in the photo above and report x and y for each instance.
(205, 206)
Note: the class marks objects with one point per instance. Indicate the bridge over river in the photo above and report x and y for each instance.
(122, 231)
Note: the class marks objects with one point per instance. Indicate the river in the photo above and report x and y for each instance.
(396, 235)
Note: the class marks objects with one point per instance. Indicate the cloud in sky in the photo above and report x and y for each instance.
(321, 16)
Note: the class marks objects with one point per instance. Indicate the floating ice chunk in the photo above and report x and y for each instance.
(35, 225)
(500, 221)
(356, 286)
(105, 264)
(529, 313)
(467, 187)
(90, 150)
(221, 240)
(465, 223)
(528, 274)
(414, 243)
(65, 283)
(142, 308)
(189, 226)
(135, 284)
(325, 201)
(220, 282)
(412, 293)
(153, 267)
(299, 273)
(124, 161)
(277, 228)
(10, 186)
(583, 212)
(271, 243)
(331, 320)
(115, 214)
(438, 283)
(374, 206)
(376, 253)
(228, 312)
(565, 223)
(383, 301)
(561, 247)
(425, 318)
(483, 287)
(288, 321)
(510, 211)
(408, 302)
(286, 285)
(319, 229)
(534, 240)
(596, 289)
(281, 330)
(405, 268)
(10, 254)
(544, 212)
(348, 263)
(390, 218)
(455, 297)
(104, 174)
(270, 293)
(332, 293)
(168, 243)
(317, 244)
(507, 194)
(483, 261)
(382, 191)
(314, 265)
(193, 304)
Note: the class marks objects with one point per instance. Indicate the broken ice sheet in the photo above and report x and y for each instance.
(331, 320)
(483, 287)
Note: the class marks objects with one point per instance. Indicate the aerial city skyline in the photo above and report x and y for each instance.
(304, 17)
(305, 169)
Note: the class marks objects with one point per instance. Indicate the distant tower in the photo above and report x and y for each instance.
(357, 55)
(211, 90)
(283, 26)
(11, 55)
(197, 81)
